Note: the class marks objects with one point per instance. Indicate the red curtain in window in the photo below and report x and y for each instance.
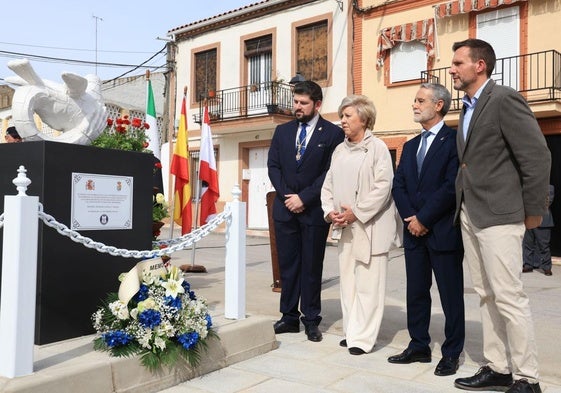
(422, 31)
(456, 7)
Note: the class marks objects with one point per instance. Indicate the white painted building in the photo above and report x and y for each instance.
(233, 60)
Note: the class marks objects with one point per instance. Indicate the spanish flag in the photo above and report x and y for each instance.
(182, 213)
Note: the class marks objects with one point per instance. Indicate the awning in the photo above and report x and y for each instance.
(457, 7)
(422, 31)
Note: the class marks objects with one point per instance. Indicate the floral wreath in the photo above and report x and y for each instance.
(163, 321)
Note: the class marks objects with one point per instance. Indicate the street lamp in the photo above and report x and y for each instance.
(297, 78)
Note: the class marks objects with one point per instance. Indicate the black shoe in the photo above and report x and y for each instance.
(343, 343)
(485, 379)
(313, 333)
(523, 386)
(285, 327)
(410, 356)
(527, 269)
(356, 351)
(447, 366)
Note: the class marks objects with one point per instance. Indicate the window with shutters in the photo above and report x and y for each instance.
(259, 54)
(407, 60)
(205, 73)
(312, 52)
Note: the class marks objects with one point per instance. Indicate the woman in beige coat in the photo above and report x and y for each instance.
(356, 199)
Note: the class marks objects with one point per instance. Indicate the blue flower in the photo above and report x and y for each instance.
(150, 318)
(188, 340)
(174, 302)
(188, 291)
(208, 321)
(142, 293)
(116, 338)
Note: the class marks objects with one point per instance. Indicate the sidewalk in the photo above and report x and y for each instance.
(299, 365)
(249, 358)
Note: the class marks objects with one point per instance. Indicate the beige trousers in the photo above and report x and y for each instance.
(494, 258)
(363, 288)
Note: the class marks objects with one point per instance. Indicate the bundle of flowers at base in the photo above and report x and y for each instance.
(163, 322)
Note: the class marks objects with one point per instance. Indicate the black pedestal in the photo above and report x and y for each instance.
(72, 279)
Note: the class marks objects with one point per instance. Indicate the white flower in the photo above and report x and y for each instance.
(147, 277)
(160, 343)
(166, 329)
(119, 309)
(96, 318)
(173, 287)
(144, 340)
(160, 198)
(147, 304)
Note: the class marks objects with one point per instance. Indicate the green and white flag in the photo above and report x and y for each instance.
(151, 119)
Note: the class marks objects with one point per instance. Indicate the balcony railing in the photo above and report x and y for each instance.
(537, 76)
(247, 101)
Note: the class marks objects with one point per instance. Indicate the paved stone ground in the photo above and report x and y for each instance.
(299, 365)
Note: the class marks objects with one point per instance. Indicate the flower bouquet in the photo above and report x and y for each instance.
(124, 133)
(163, 321)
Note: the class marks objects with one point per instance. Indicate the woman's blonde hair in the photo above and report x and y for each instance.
(364, 108)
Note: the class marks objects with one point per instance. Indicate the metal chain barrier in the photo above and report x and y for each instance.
(171, 245)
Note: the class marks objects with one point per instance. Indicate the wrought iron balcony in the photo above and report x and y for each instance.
(537, 76)
(247, 101)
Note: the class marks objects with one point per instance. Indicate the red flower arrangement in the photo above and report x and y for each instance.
(124, 133)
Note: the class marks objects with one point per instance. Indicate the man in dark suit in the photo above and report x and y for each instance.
(501, 190)
(299, 158)
(423, 190)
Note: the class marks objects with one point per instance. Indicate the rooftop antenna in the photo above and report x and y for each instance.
(97, 19)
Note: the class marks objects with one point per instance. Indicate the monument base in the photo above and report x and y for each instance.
(72, 279)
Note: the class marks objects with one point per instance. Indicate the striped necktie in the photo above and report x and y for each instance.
(301, 144)
(422, 151)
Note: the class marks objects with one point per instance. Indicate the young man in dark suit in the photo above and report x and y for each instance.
(501, 190)
(299, 158)
(423, 190)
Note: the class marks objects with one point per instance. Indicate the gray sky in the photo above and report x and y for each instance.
(126, 32)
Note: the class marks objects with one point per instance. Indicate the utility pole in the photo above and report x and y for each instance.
(169, 109)
(97, 19)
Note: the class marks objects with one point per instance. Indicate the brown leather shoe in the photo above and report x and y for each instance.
(547, 272)
(527, 269)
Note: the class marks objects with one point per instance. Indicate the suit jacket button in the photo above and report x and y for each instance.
(463, 165)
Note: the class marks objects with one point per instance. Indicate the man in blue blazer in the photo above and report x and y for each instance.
(423, 190)
(299, 158)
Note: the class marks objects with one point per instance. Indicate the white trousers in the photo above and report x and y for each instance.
(363, 288)
(494, 258)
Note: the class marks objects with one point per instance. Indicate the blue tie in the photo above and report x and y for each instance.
(422, 151)
(301, 144)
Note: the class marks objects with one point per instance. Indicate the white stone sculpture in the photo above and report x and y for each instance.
(74, 107)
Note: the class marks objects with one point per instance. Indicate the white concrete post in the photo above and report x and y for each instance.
(234, 302)
(19, 280)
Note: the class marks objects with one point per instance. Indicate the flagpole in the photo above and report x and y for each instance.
(196, 268)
